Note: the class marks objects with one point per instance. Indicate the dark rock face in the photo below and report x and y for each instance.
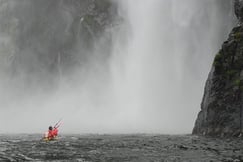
(239, 9)
(222, 104)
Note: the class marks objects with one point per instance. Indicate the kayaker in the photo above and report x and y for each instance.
(52, 133)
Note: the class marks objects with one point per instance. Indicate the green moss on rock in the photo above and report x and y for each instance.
(218, 61)
(237, 82)
(238, 36)
(231, 73)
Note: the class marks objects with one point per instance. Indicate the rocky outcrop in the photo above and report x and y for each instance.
(239, 9)
(222, 104)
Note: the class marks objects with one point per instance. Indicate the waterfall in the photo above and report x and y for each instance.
(144, 74)
(160, 67)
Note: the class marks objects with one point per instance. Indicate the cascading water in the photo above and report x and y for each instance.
(151, 82)
(159, 73)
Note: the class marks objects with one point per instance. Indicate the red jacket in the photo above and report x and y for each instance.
(52, 133)
(55, 132)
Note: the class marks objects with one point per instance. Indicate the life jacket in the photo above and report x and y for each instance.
(55, 132)
(52, 133)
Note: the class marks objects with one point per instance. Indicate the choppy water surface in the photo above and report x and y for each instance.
(88, 148)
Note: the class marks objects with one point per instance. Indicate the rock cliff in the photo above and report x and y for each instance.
(222, 104)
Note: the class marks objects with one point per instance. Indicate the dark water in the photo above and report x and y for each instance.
(120, 148)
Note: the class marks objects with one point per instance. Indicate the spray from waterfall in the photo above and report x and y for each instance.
(149, 80)
(160, 70)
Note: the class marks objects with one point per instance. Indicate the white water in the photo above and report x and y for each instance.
(160, 70)
(161, 56)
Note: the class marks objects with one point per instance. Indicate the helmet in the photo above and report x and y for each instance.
(50, 127)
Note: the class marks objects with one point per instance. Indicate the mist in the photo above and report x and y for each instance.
(144, 72)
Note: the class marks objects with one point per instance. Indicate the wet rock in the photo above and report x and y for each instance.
(221, 107)
(239, 9)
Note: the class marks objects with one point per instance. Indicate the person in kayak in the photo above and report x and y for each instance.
(52, 132)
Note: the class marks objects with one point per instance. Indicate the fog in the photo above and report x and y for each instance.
(143, 74)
